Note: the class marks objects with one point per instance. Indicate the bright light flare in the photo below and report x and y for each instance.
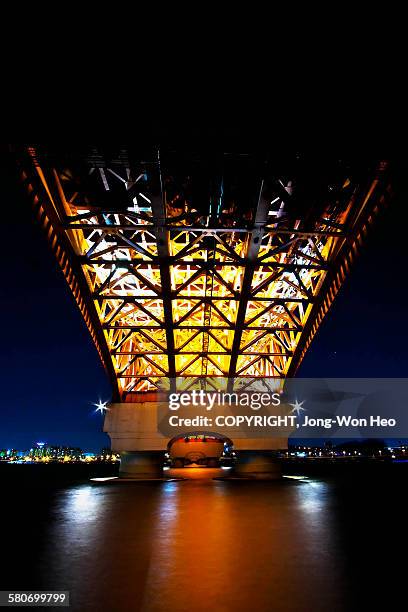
(101, 407)
(297, 407)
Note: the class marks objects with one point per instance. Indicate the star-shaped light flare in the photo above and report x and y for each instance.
(101, 407)
(297, 407)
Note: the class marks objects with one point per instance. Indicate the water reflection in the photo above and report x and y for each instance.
(237, 546)
(196, 545)
(82, 503)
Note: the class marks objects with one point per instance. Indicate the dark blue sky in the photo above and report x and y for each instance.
(50, 370)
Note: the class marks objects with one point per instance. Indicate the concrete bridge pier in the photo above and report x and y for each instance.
(141, 464)
(254, 464)
(257, 458)
(133, 430)
(258, 465)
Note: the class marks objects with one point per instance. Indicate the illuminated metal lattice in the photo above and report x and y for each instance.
(169, 288)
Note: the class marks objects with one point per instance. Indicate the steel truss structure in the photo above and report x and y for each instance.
(191, 270)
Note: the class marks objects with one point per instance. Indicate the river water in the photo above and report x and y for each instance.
(204, 544)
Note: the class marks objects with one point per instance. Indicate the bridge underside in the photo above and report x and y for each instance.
(195, 269)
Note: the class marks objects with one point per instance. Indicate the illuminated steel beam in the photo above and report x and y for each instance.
(162, 238)
(371, 200)
(178, 278)
(48, 218)
(254, 242)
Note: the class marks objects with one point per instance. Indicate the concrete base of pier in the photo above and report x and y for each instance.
(259, 465)
(142, 465)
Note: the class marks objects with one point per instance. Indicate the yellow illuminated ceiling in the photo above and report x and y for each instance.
(179, 293)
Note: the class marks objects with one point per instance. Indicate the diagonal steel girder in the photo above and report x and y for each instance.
(252, 251)
(162, 238)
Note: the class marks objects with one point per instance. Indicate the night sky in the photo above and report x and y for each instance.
(50, 370)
